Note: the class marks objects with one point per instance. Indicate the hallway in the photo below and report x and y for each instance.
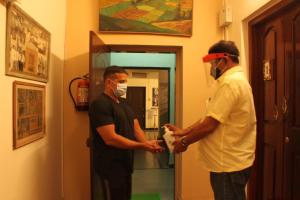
(153, 173)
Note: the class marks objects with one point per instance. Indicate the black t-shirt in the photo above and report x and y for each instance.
(108, 159)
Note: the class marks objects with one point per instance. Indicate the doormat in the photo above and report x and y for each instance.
(145, 197)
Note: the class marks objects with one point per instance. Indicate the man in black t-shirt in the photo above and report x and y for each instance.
(116, 133)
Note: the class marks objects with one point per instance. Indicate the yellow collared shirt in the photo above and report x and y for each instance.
(231, 147)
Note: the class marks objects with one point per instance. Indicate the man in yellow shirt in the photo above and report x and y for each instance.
(227, 135)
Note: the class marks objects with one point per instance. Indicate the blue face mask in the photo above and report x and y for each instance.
(215, 72)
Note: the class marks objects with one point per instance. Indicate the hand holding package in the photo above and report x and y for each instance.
(169, 138)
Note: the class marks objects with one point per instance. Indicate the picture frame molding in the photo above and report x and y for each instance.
(32, 116)
(164, 24)
(28, 55)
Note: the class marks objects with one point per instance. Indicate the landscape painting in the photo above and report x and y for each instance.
(168, 17)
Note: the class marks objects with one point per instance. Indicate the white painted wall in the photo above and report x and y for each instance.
(33, 172)
(242, 12)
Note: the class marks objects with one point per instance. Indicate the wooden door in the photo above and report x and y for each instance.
(275, 81)
(273, 123)
(291, 25)
(136, 97)
(100, 52)
(99, 59)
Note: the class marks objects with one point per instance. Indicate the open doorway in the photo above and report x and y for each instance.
(149, 94)
(101, 57)
(136, 96)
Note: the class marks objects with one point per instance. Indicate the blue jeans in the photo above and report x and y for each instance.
(230, 185)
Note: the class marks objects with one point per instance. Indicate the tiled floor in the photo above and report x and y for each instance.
(150, 181)
(153, 173)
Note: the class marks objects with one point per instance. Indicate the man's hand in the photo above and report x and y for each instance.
(153, 146)
(176, 131)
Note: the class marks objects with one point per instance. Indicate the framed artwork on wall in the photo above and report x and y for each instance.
(27, 46)
(154, 96)
(167, 17)
(28, 113)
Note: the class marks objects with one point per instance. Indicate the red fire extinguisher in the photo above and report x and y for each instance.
(81, 103)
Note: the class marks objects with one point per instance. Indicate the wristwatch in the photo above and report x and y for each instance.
(183, 142)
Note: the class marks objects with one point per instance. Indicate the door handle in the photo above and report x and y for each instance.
(88, 142)
(286, 140)
(284, 105)
(276, 113)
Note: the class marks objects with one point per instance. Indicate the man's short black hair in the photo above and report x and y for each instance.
(112, 70)
(226, 46)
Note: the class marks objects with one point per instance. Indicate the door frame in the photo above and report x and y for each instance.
(255, 184)
(178, 51)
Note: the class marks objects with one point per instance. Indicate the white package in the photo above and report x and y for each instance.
(169, 138)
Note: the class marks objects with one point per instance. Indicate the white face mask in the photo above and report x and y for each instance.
(121, 89)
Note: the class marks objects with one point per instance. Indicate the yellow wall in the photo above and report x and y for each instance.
(243, 11)
(33, 172)
(82, 16)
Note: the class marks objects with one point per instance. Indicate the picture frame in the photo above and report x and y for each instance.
(27, 46)
(155, 97)
(28, 113)
(164, 17)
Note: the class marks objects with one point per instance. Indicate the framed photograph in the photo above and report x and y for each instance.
(27, 46)
(167, 17)
(28, 113)
(154, 96)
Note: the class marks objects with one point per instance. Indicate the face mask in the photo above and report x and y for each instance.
(121, 89)
(215, 71)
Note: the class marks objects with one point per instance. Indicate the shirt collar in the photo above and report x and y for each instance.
(229, 72)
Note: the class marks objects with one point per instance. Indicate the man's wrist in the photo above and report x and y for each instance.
(183, 142)
(187, 131)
